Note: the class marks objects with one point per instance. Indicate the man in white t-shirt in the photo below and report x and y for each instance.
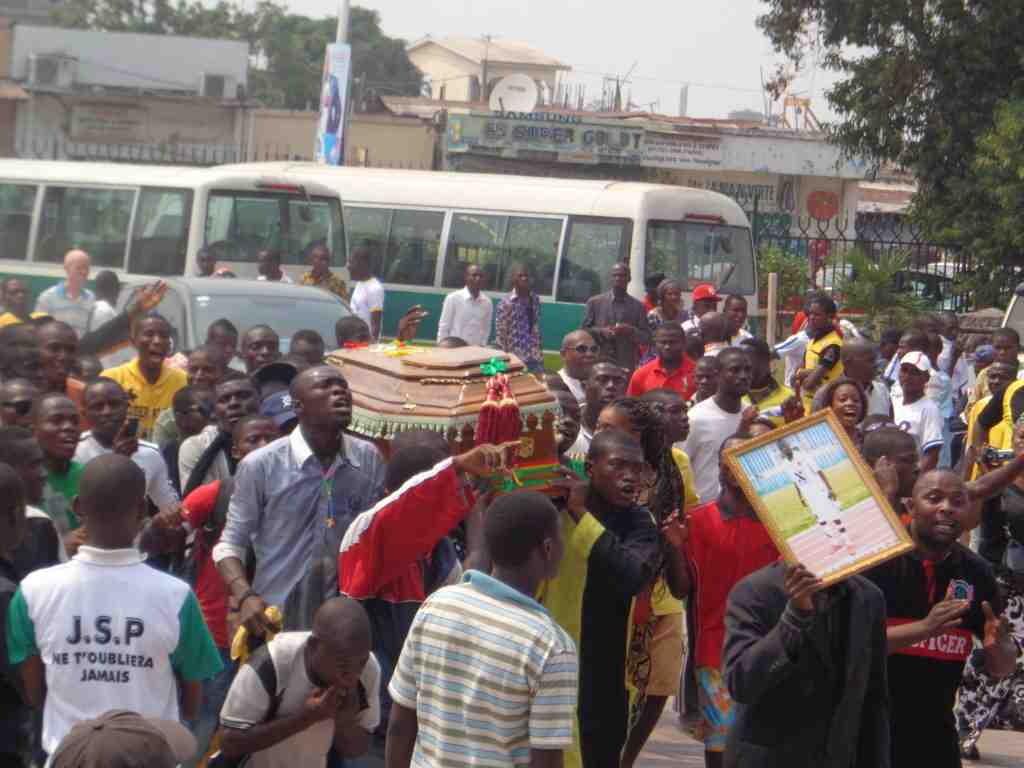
(717, 418)
(367, 298)
(304, 691)
(104, 630)
(269, 267)
(106, 408)
(915, 413)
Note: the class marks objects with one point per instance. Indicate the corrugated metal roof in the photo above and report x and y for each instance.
(498, 50)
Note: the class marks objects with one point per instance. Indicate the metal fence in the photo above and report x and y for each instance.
(935, 271)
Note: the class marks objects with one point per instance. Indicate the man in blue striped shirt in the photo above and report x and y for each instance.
(487, 677)
(69, 300)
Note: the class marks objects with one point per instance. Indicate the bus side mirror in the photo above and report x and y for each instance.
(1019, 290)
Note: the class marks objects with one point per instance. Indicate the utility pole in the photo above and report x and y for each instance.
(343, 13)
(484, 96)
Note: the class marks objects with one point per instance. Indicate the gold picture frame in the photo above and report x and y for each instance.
(818, 498)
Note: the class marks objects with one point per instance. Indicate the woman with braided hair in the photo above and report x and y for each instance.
(656, 643)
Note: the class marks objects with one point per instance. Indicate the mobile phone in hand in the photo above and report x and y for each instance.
(131, 428)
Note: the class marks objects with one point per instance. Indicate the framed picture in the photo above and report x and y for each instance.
(818, 498)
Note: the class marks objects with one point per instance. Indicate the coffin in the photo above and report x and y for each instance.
(397, 388)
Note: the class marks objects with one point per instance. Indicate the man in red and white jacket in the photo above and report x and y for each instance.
(398, 552)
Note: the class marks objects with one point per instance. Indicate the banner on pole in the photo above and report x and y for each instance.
(334, 90)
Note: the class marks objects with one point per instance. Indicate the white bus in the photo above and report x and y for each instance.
(426, 226)
(152, 220)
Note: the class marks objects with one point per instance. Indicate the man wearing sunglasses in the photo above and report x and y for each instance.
(579, 353)
(16, 397)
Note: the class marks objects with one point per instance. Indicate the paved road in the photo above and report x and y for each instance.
(669, 746)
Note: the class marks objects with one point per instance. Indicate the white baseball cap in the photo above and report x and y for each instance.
(917, 359)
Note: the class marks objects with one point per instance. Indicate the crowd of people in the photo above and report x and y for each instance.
(194, 537)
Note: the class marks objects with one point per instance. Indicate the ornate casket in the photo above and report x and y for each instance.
(397, 388)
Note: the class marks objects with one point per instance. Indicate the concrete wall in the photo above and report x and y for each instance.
(153, 62)
(80, 122)
(373, 139)
(444, 68)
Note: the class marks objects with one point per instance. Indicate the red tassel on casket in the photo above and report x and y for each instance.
(487, 422)
(509, 425)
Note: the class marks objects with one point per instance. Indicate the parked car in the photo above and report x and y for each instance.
(193, 303)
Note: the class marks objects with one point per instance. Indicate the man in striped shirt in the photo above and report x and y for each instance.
(486, 676)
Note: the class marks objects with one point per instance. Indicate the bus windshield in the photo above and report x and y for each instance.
(241, 224)
(696, 252)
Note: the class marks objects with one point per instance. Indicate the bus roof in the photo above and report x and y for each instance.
(479, 191)
(132, 175)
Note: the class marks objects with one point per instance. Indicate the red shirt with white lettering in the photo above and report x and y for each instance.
(923, 679)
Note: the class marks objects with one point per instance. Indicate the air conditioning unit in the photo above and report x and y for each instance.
(213, 86)
(52, 70)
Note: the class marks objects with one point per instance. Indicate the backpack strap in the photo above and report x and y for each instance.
(263, 665)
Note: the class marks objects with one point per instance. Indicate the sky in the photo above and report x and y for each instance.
(714, 45)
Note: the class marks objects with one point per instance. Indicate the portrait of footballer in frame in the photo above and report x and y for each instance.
(818, 498)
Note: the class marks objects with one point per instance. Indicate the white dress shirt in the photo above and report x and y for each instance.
(147, 457)
(466, 318)
(575, 386)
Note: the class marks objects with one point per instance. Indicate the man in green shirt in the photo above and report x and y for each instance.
(57, 428)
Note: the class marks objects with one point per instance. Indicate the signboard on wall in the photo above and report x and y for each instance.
(566, 137)
(670, 151)
(109, 123)
(334, 89)
(774, 194)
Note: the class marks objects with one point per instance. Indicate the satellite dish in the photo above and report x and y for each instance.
(515, 93)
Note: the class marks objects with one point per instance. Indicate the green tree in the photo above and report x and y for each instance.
(871, 286)
(995, 233)
(287, 49)
(921, 81)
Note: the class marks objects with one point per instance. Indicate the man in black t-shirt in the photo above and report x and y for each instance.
(938, 598)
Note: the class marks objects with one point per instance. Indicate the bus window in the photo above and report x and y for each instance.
(311, 224)
(698, 252)
(594, 246)
(95, 220)
(413, 245)
(16, 204)
(160, 236)
(475, 239)
(241, 224)
(369, 226)
(533, 242)
(496, 243)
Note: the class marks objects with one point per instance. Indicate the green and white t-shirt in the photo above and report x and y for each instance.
(112, 633)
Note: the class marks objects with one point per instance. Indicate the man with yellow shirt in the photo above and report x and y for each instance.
(15, 298)
(1005, 349)
(822, 363)
(1000, 376)
(150, 384)
(765, 392)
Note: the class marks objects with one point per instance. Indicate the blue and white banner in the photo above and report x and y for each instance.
(334, 90)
